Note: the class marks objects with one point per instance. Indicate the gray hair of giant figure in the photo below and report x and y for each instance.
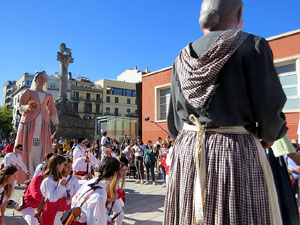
(214, 12)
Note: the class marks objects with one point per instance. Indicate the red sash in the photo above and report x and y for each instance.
(81, 173)
(121, 194)
(50, 210)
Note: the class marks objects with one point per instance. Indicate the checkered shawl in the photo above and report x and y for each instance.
(198, 75)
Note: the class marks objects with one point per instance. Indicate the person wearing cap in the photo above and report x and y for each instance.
(226, 105)
(34, 133)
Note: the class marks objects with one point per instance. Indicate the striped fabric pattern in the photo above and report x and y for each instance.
(236, 192)
(198, 75)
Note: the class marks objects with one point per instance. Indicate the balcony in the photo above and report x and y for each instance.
(87, 100)
(93, 89)
(134, 115)
(112, 114)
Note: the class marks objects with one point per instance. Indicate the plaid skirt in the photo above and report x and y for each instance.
(235, 190)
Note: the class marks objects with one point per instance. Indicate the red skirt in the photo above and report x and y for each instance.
(50, 210)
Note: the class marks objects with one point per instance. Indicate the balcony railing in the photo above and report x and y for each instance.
(87, 100)
(134, 115)
(74, 87)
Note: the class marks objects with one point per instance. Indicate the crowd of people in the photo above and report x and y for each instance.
(144, 161)
(75, 166)
(75, 174)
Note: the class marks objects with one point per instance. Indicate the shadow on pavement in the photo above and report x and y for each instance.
(14, 220)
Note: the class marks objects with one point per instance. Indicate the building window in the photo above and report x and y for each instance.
(97, 108)
(136, 112)
(76, 95)
(52, 85)
(133, 93)
(76, 106)
(162, 102)
(107, 111)
(97, 97)
(88, 96)
(88, 117)
(116, 100)
(128, 93)
(116, 112)
(107, 98)
(28, 82)
(87, 107)
(117, 91)
(128, 112)
(128, 101)
(289, 81)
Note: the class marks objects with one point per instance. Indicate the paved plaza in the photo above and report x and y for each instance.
(144, 205)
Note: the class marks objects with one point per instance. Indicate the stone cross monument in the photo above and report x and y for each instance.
(70, 124)
(64, 57)
(63, 105)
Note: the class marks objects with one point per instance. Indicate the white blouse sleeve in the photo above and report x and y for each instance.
(54, 119)
(21, 164)
(94, 160)
(76, 153)
(76, 165)
(38, 170)
(23, 108)
(51, 190)
(98, 214)
(6, 160)
(75, 186)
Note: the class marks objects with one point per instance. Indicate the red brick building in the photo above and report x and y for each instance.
(156, 88)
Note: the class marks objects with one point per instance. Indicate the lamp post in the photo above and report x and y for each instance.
(147, 118)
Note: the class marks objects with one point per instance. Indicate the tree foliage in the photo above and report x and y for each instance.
(5, 119)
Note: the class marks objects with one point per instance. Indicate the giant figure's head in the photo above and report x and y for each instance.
(215, 12)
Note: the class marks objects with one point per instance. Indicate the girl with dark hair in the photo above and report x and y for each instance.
(53, 189)
(93, 211)
(139, 149)
(8, 175)
(149, 162)
(96, 149)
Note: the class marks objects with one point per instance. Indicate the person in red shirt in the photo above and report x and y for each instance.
(32, 198)
(10, 147)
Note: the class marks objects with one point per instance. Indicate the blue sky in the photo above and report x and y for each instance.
(108, 37)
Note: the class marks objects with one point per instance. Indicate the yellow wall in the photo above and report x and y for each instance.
(122, 105)
(87, 88)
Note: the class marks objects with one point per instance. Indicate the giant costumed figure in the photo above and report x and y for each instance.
(225, 108)
(34, 133)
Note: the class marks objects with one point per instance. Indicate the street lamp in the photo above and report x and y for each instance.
(147, 118)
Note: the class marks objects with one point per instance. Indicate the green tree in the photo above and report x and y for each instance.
(5, 119)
